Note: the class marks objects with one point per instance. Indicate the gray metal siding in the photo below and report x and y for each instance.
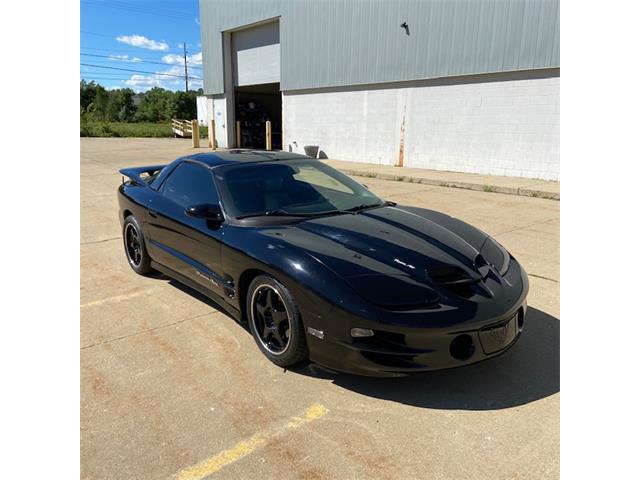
(329, 43)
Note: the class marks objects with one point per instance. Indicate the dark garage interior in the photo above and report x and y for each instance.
(255, 104)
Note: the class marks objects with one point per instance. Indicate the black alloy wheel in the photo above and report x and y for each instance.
(134, 246)
(271, 319)
(275, 322)
(132, 241)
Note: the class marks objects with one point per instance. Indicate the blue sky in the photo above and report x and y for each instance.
(141, 35)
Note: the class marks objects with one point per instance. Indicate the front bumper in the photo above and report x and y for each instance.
(397, 353)
(424, 342)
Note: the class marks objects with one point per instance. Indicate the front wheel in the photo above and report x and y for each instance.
(275, 322)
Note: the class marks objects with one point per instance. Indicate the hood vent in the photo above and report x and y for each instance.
(450, 275)
(454, 279)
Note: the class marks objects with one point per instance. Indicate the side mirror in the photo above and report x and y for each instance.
(208, 211)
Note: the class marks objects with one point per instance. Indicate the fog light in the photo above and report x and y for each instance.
(361, 332)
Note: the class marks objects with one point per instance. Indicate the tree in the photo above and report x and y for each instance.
(121, 106)
(154, 106)
(87, 94)
(118, 105)
(183, 105)
(98, 108)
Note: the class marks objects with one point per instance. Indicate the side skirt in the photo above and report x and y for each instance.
(230, 309)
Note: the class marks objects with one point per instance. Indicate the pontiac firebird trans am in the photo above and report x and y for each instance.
(319, 267)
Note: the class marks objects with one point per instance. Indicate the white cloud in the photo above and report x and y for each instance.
(175, 59)
(124, 58)
(142, 83)
(143, 42)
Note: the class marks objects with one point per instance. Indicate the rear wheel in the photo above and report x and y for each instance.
(275, 322)
(135, 247)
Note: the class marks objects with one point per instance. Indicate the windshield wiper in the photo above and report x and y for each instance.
(364, 206)
(278, 212)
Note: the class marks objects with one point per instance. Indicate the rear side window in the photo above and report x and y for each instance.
(190, 184)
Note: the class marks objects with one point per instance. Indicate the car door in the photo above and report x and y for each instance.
(189, 246)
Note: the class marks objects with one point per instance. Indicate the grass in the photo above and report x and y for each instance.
(123, 129)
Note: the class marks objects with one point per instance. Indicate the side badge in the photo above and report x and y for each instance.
(200, 274)
(315, 332)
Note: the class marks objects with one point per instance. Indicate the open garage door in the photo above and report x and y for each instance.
(256, 55)
(256, 81)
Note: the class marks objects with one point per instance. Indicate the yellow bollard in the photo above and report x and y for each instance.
(268, 137)
(195, 134)
(212, 134)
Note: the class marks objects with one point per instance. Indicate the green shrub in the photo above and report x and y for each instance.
(90, 128)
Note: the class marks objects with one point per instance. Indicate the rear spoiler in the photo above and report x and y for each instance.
(135, 174)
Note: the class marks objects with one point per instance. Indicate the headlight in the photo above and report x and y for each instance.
(496, 255)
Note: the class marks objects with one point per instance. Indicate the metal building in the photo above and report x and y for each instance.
(461, 85)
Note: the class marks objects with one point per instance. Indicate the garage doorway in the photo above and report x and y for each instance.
(255, 57)
(255, 104)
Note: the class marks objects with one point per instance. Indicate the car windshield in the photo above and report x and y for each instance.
(290, 187)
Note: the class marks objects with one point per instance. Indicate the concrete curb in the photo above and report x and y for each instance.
(523, 192)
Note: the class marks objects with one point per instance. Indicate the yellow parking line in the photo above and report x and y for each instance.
(243, 448)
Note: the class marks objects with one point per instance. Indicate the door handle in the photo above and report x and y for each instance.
(153, 214)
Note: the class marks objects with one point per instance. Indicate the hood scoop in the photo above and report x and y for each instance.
(462, 282)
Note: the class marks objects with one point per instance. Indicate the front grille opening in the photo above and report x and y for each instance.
(390, 360)
(386, 340)
(393, 338)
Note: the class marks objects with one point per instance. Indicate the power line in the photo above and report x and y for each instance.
(172, 71)
(141, 10)
(149, 7)
(132, 53)
(98, 34)
(136, 71)
(130, 49)
(140, 60)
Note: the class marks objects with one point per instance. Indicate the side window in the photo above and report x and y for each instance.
(190, 184)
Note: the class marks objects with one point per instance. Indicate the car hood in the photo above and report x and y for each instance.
(393, 256)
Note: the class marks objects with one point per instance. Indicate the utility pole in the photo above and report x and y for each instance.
(186, 73)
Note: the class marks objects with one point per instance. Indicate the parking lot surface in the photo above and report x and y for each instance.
(171, 387)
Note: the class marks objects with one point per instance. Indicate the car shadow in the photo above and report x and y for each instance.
(528, 371)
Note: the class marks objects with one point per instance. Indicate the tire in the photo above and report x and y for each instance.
(135, 250)
(283, 344)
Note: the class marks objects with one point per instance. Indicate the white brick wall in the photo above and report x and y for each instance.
(498, 128)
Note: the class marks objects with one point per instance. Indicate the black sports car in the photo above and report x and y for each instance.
(320, 267)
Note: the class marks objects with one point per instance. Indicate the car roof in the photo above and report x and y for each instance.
(237, 155)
